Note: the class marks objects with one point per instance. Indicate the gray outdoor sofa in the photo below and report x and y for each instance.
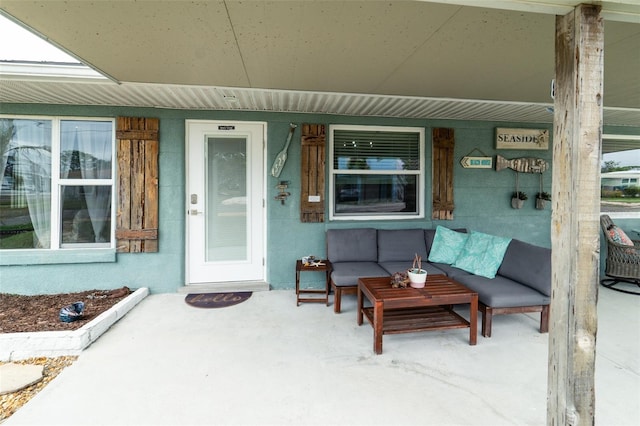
(522, 282)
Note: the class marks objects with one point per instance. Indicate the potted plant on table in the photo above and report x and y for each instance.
(541, 200)
(417, 275)
(517, 199)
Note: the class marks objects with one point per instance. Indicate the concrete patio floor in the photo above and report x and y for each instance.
(266, 361)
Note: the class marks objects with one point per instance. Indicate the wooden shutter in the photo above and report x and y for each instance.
(443, 143)
(137, 214)
(312, 173)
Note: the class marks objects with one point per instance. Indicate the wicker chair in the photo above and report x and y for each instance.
(622, 262)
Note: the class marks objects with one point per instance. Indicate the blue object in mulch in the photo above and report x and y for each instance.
(71, 312)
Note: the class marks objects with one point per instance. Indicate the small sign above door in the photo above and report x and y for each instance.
(226, 127)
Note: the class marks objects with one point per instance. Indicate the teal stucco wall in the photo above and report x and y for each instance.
(482, 202)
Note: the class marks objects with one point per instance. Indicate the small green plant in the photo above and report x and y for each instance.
(610, 193)
(543, 196)
(520, 195)
(631, 191)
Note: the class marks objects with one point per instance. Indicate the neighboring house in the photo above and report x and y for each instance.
(620, 180)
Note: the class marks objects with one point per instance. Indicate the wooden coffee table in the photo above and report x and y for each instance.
(408, 310)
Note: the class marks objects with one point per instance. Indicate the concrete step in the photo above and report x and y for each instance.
(14, 377)
(224, 287)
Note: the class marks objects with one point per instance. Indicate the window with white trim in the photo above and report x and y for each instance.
(376, 172)
(57, 182)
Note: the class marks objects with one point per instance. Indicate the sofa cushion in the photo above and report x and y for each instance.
(392, 267)
(447, 245)
(449, 270)
(529, 265)
(501, 292)
(482, 254)
(347, 273)
(429, 235)
(401, 245)
(352, 245)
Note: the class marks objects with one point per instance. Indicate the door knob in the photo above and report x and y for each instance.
(195, 212)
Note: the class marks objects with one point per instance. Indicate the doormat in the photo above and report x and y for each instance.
(216, 300)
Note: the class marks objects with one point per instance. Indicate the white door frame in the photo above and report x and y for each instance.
(220, 125)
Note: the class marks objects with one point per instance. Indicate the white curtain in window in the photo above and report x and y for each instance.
(33, 164)
(93, 142)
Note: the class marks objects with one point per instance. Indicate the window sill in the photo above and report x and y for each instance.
(376, 217)
(49, 257)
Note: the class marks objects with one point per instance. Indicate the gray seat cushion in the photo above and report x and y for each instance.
(401, 245)
(347, 273)
(352, 245)
(450, 271)
(529, 265)
(392, 267)
(501, 292)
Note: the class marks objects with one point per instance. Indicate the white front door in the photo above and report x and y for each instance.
(224, 206)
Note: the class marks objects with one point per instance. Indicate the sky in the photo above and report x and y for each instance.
(625, 158)
(27, 46)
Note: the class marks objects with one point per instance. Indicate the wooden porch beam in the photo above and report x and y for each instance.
(575, 216)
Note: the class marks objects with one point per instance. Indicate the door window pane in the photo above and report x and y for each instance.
(226, 192)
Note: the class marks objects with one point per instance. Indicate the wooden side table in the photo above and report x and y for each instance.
(320, 268)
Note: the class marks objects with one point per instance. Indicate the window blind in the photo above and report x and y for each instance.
(357, 149)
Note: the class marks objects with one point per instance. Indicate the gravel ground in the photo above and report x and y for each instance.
(11, 402)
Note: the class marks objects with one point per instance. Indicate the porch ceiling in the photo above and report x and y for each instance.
(424, 59)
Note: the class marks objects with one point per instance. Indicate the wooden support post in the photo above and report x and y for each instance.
(575, 217)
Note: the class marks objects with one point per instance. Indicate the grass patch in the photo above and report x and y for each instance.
(20, 240)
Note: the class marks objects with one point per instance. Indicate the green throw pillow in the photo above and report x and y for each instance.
(447, 245)
(482, 254)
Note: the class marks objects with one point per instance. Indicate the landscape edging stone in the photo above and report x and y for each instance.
(18, 346)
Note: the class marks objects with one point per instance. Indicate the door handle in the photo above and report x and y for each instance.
(195, 212)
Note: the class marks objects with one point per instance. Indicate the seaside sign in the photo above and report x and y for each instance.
(522, 138)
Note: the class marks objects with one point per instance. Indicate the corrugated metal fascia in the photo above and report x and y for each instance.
(242, 99)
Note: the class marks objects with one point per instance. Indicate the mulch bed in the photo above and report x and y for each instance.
(20, 313)
(41, 313)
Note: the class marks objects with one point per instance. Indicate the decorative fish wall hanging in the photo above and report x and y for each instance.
(524, 165)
